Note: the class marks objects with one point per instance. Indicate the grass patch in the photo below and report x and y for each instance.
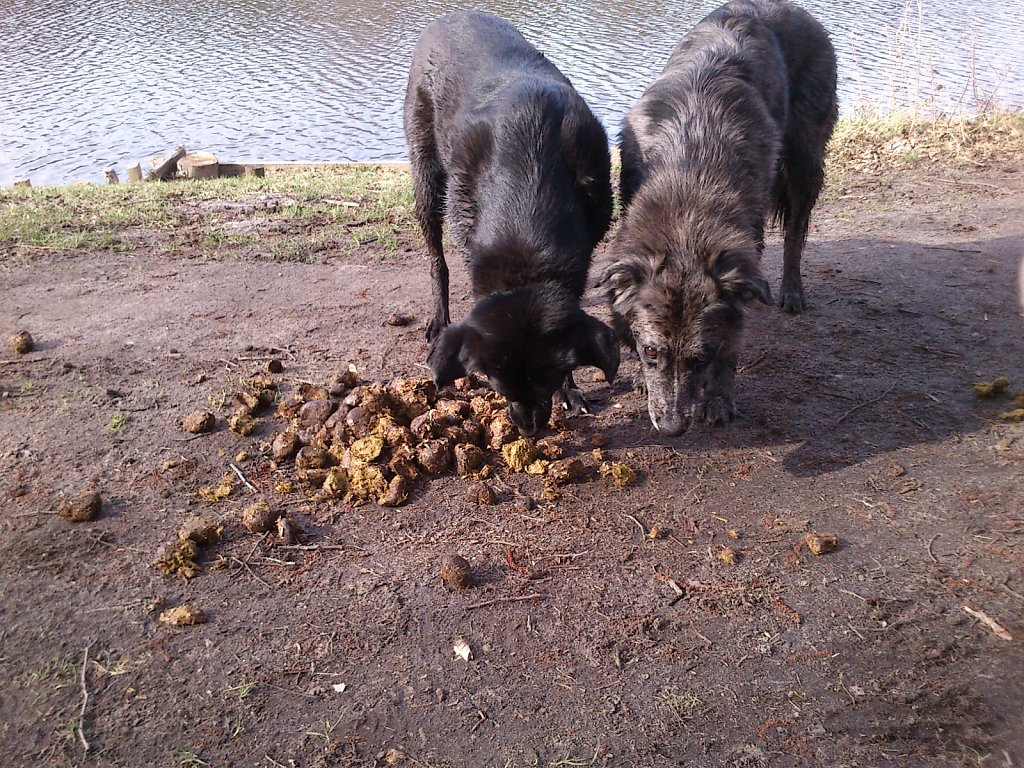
(308, 215)
(872, 142)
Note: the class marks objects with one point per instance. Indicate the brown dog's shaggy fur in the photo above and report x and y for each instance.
(733, 130)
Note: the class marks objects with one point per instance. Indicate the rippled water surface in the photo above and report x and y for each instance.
(110, 82)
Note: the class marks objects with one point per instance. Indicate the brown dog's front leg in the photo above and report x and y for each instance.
(717, 407)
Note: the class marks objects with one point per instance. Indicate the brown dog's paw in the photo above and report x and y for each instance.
(717, 411)
(792, 300)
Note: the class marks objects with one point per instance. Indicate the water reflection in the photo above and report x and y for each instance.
(110, 82)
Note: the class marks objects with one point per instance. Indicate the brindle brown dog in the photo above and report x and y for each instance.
(734, 129)
(504, 148)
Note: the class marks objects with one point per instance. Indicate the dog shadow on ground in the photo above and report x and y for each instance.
(885, 357)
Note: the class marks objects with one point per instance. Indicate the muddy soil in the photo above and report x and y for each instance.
(607, 627)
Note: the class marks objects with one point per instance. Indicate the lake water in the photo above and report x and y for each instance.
(111, 82)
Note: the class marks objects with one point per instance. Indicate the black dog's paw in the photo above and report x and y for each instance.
(571, 399)
(435, 327)
(717, 411)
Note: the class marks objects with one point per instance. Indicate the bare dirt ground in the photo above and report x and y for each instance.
(593, 643)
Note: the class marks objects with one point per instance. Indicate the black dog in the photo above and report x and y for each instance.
(734, 129)
(503, 147)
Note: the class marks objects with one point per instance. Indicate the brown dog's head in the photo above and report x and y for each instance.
(525, 342)
(683, 313)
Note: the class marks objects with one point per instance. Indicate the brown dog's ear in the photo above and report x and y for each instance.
(450, 352)
(738, 278)
(622, 280)
(596, 344)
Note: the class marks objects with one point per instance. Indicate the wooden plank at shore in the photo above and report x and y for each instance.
(238, 169)
(167, 167)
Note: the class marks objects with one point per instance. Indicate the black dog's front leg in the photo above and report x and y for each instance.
(439, 284)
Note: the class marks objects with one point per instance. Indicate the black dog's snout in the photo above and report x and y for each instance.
(529, 420)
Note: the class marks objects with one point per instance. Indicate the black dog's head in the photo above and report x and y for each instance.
(525, 342)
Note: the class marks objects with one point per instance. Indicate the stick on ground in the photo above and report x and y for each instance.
(85, 698)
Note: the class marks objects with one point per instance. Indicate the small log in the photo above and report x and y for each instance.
(255, 170)
(110, 174)
(198, 165)
(167, 167)
(135, 172)
(22, 183)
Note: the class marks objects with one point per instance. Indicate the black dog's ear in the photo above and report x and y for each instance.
(453, 354)
(596, 344)
(738, 278)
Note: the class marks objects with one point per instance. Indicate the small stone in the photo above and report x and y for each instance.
(398, 320)
(308, 392)
(197, 422)
(396, 494)
(622, 475)
(434, 456)
(284, 446)
(456, 571)
(241, 423)
(275, 366)
(310, 457)
(468, 459)
(336, 482)
(566, 471)
(315, 412)
(182, 616)
(178, 556)
(500, 431)
(991, 388)
(247, 401)
(200, 529)
(21, 342)
(519, 454)
(81, 507)
(481, 493)
(260, 517)
(821, 543)
(285, 531)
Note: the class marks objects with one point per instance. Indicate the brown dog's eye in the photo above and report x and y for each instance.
(650, 353)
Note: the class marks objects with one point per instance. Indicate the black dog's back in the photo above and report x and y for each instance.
(497, 129)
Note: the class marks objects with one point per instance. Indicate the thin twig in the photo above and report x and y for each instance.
(85, 697)
(643, 531)
(241, 477)
(929, 548)
(867, 402)
(310, 547)
(252, 572)
(533, 596)
(25, 360)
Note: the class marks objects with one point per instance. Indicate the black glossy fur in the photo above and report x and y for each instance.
(504, 149)
(732, 131)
